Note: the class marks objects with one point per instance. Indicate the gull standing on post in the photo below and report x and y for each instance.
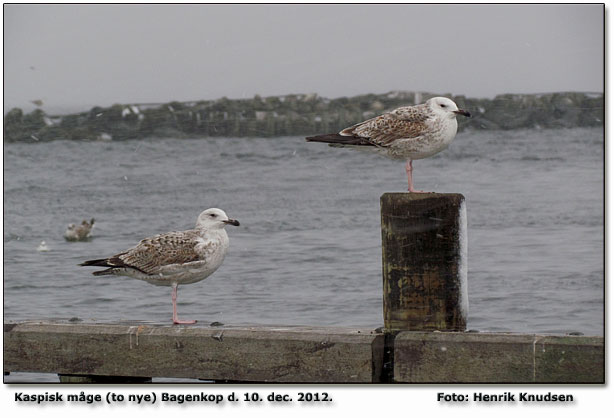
(409, 132)
(174, 258)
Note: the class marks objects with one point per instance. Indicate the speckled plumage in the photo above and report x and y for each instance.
(174, 258)
(182, 257)
(383, 130)
(409, 132)
(179, 257)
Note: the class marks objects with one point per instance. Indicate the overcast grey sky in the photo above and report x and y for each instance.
(77, 56)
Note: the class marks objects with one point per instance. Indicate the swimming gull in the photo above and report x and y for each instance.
(409, 132)
(174, 258)
(82, 232)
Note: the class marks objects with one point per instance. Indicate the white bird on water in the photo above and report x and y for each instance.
(409, 132)
(174, 258)
(82, 232)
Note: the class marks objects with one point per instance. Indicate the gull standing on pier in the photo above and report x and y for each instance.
(408, 133)
(174, 258)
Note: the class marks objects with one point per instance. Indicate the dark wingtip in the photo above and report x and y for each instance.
(321, 138)
(107, 272)
(102, 262)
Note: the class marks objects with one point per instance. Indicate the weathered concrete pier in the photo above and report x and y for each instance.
(423, 339)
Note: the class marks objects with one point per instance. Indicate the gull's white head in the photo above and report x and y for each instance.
(214, 219)
(444, 106)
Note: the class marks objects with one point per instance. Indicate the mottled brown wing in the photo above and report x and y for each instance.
(404, 122)
(159, 250)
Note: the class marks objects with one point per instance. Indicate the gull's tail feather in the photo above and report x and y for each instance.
(107, 272)
(114, 263)
(339, 139)
(102, 262)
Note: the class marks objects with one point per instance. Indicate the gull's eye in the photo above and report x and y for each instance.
(212, 215)
(442, 105)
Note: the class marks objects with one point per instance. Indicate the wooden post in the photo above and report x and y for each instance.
(424, 260)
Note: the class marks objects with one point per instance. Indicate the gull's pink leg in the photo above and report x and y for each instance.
(175, 319)
(410, 183)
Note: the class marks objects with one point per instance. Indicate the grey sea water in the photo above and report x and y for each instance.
(308, 249)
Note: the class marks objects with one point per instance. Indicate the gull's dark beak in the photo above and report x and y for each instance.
(232, 222)
(462, 112)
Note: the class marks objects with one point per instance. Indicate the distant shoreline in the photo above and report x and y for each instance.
(292, 115)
